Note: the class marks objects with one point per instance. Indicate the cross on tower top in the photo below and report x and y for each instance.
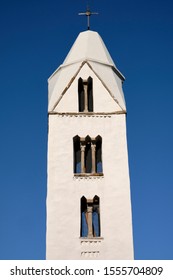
(88, 13)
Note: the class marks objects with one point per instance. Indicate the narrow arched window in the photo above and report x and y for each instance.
(90, 94)
(88, 155)
(85, 95)
(99, 168)
(96, 217)
(84, 222)
(81, 95)
(77, 154)
(90, 217)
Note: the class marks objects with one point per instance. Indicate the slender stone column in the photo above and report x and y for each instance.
(90, 231)
(85, 98)
(82, 147)
(93, 151)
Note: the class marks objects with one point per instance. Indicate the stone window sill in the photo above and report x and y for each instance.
(91, 238)
(88, 175)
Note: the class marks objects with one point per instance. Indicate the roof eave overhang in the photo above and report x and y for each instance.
(83, 61)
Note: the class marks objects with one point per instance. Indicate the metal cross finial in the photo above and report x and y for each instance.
(88, 13)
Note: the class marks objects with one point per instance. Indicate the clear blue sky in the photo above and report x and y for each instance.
(35, 38)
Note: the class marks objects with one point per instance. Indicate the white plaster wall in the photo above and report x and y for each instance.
(64, 191)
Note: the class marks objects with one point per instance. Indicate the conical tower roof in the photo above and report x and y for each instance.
(88, 48)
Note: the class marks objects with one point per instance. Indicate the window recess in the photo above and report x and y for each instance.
(85, 95)
(87, 155)
(90, 217)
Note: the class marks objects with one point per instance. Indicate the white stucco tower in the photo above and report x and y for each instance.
(88, 192)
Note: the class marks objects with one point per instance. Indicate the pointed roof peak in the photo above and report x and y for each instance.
(89, 46)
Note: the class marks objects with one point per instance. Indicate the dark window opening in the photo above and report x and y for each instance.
(99, 168)
(90, 94)
(81, 95)
(96, 217)
(77, 154)
(84, 222)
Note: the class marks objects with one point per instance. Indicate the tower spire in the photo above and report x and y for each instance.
(88, 13)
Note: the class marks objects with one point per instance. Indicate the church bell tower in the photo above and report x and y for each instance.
(88, 190)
